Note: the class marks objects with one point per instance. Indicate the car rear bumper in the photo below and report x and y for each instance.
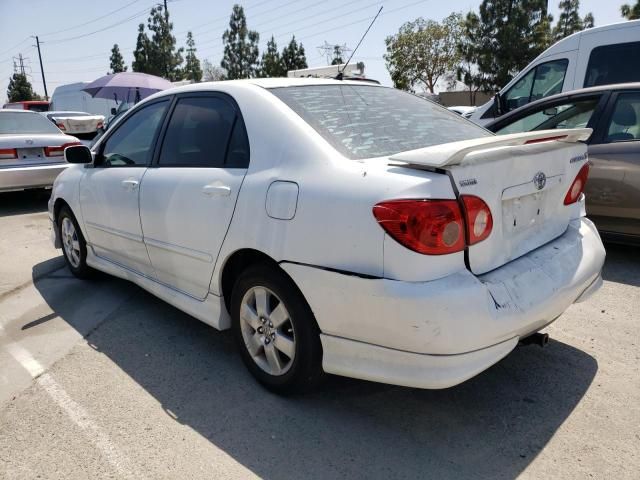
(36, 176)
(439, 333)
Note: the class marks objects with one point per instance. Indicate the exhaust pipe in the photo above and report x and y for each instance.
(540, 339)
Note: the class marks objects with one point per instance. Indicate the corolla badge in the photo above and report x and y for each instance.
(28, 141)
(540, 180)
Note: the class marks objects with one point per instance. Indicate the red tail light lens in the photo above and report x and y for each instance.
(577, 187)
(58, 151)
(61, 126)
(432, 227)
(478, 217)
(100, 125)
(8, 153)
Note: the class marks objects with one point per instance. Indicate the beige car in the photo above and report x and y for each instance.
(613, 112)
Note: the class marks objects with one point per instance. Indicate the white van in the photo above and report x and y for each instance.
(596, 56)
(72, 97)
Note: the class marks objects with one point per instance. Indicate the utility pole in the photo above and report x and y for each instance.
(44, 82)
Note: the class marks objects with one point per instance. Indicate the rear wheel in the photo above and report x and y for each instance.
(275, 330)
(74, 246)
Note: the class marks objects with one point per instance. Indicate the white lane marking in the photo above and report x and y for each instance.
(74, 410)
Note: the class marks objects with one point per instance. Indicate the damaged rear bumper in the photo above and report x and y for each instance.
(439, 333)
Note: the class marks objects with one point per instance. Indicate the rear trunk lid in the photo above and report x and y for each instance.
(31, 148)
(523, 178)
(81, 124)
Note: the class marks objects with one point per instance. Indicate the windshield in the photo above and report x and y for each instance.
(363, 121)
(17, 123)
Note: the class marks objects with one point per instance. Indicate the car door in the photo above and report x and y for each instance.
(613, 189)
(109, 190)
(188, 196)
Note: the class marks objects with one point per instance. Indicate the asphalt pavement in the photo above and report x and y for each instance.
(99, 379)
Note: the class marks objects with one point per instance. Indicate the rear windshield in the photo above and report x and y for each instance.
(363, 121)
(14, 122)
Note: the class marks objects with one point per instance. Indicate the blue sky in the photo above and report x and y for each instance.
(70, 55)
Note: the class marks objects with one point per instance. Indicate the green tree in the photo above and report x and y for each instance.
(192, 70)
(116, 61)
(271, 63)
(508, 35)
(631, 12)
(467, 70)
(422, 52)
(337, 55)
(569, 20)
(293, 56)
(20, 89)
(164, 58)
(240, 59)
(141, 53)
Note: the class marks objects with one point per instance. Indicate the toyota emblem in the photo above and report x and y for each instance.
(540, 180)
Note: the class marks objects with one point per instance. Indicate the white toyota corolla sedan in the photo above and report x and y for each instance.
(335, 226)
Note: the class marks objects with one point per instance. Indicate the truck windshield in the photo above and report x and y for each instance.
(23, 122)
(365, 121)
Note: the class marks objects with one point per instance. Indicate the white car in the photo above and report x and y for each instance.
(76, 123)
(31, 150)
(335, 226)
(462, 110)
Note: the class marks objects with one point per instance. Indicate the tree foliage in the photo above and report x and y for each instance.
(271, 62)
(631, 12)
(293, 56)
(507, 35)
(20, 89)
(116, 61)
(192, 70)
(422, 52)
(211, 72)
(337, 55)
(240, 59)
(141, 53)
(467, 70)
(569, 20)
(164, 58)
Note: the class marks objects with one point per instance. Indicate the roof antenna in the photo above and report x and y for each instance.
(340, 74)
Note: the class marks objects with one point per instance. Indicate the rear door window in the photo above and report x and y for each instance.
(541, 81)
(623, 124)
(199, 134)
(363, 121)
(612, 64)
(574, 114)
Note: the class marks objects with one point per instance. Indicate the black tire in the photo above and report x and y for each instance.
(305, 371)
(82, 270)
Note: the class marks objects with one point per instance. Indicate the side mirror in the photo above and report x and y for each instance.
(497, 104)
(78, 154)
(550, 112)
(113, 110)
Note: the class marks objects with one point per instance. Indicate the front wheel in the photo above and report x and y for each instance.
(74, 246)
(275, 330)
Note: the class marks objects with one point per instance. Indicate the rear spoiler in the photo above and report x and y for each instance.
(454, 153)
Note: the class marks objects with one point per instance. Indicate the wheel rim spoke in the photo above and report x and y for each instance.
(255, 345)
(273, 359)
(285, 345)
(250, 316)
(261, 301)
(279, 315)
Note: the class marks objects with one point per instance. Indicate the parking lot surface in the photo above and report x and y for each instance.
(99, 379)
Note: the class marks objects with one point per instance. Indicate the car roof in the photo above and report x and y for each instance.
(65, 112)
(559, 96)
(16, 110)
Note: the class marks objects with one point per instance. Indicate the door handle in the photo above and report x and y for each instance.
(129, 184)
(216, 190)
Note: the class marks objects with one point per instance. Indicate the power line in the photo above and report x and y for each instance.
(15, 46)
(90, 21)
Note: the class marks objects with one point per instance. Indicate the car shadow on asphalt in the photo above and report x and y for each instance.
(492, 426)
(622, 264)
(20, 203)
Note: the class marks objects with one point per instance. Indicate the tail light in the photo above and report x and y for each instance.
(100, 125)
(577, 187)
(8, 153)
(478, 217)
(433, 227)
(61, 126)
(58, 151)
